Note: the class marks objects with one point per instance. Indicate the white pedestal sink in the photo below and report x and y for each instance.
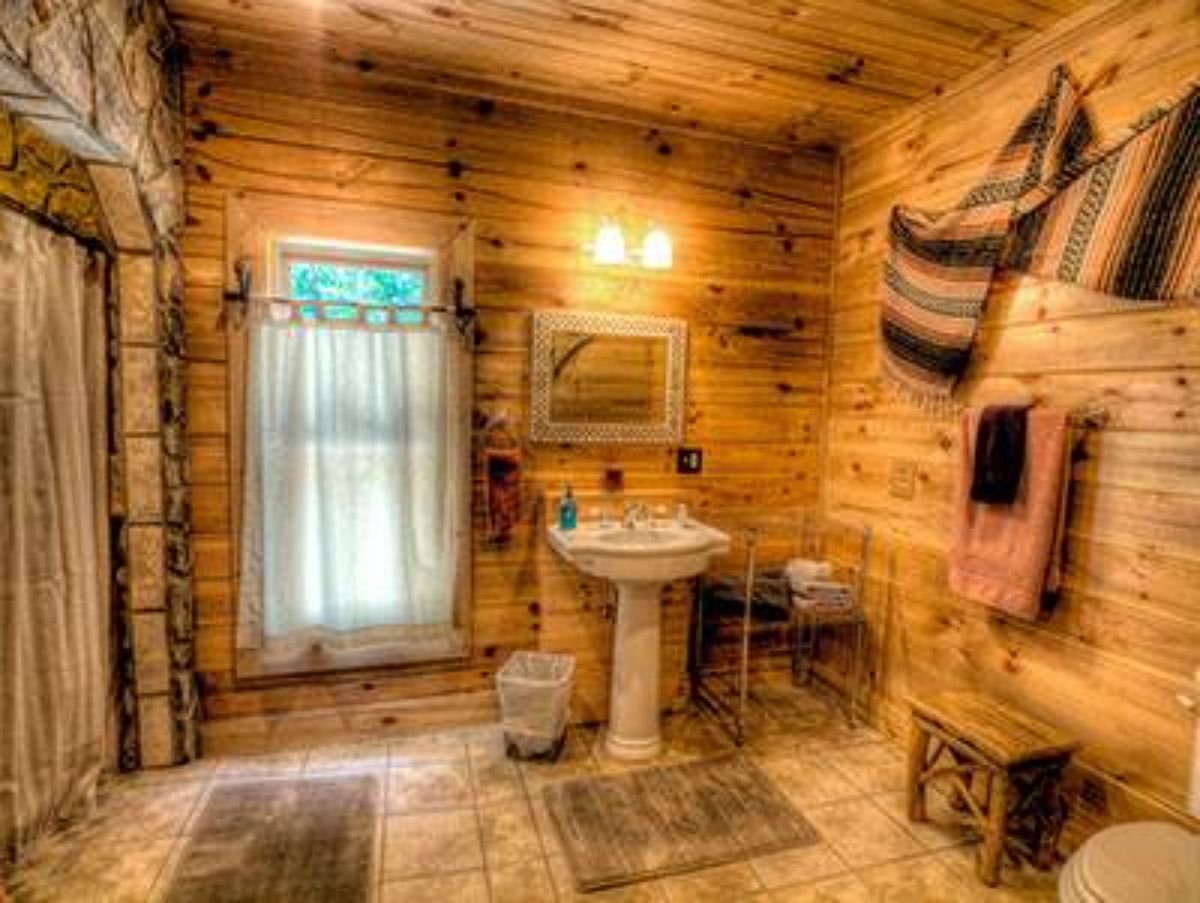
(639, 560)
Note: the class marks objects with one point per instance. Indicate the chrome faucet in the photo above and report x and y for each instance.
(635, 513)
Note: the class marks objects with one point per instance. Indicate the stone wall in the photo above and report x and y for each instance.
(90, 143)
(99, 78)
(43, 179)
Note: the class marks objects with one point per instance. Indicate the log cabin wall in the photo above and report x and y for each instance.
(752, 226)
(1125, 636)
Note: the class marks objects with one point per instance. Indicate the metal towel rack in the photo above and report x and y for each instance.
(725, 690)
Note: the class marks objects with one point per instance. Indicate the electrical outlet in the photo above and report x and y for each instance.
(902, 483)
(689, 460)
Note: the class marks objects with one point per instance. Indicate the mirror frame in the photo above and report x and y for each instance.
(546, 323)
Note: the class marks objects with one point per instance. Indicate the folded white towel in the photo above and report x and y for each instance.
(805, 570)
(823, 591)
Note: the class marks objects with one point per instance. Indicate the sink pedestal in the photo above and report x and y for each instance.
(640, 562)
(633, 729)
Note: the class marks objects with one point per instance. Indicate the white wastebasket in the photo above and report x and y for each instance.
(535, 696)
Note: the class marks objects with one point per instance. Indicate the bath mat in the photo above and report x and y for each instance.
(662, 821)
(295, 840)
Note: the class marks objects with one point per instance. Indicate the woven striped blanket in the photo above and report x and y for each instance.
(1124, 220)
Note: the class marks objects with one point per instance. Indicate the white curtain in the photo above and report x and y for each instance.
(55, 647)
(351, 484)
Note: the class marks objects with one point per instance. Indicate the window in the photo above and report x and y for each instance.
(389, 284)
(355, 478)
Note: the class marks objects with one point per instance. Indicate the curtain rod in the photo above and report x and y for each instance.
(236, 302)
(349, 302)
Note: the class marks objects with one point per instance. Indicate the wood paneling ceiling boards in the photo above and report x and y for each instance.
(780, 71)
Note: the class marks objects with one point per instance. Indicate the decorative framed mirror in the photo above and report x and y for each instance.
(602, 377)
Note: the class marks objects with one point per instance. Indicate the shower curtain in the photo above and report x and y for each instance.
(55, 676)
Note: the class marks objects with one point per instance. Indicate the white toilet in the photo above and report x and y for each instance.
(1139, 862)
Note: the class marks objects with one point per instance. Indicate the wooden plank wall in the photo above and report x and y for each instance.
(1125, 637)
(753, 232)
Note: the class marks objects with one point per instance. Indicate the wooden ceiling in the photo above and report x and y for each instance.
(778, 71)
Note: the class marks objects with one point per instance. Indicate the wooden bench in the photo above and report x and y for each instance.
(1003, 767)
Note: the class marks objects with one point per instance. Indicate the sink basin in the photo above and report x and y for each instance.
(639, 560)
(657, 551)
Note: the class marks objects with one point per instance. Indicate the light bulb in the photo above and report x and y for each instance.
(609, 248)
(656, 250)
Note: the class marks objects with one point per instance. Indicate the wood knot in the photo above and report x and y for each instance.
(847, 73)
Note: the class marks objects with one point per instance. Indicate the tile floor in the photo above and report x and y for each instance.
(458, 821)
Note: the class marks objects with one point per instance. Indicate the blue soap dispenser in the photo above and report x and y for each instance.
(568, 511)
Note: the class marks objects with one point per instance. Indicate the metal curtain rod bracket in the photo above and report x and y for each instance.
(1090, 417)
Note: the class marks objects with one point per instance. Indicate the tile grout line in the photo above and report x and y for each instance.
(483, 860)
(381, 831)
(537, 829)
(180, 839)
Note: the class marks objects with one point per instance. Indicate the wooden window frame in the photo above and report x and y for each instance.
(258, 229)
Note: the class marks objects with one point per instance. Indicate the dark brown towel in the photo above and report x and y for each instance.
(503, 473)
(999, 455)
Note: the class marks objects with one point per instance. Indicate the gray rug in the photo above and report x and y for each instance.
(298, 840)
(661, 821)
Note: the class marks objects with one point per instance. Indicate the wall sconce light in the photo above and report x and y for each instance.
(609, 248)
(657, 253)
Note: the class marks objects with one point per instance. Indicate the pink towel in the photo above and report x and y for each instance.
(1007, 556)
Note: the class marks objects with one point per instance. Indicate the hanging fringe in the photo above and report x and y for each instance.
(918, 396)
